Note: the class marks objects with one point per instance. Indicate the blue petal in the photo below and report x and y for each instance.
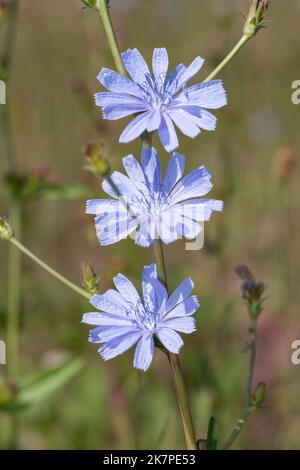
(115, 82)
(182, 324)
(117, 346)
(170, 339)
(146, 234)
(111, 302)
(154, 121)
(173, 172)
(134, 171)
(199, 209)
(166, 227)
(106, 333)
(185, 122)
(127, 289)
(144, 352)
(191, 229)
(135, 128)
(209, 95)
(105, 319)
(103, 206)
(114, 227)
(167, 134)
(173, 79)
(152, 168)
(191, 70)
(194, 184)
(123, 110)
(149, 272)
(160, 64)
(201, 117)
(117, 99)
(180, 294)
(120, 186)
(188, 307)
(135, 65)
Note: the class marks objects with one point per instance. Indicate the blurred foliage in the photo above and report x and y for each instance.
(60, 48)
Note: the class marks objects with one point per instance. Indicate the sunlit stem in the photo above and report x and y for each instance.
(244, 39)
(50, 270)
(175, 364)
(111, 36)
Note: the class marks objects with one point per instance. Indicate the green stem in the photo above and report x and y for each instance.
(248, 409)
(51, 271)
(5, 63)
(13, 317)
(244, 39)
(175, 364)
(111, 36)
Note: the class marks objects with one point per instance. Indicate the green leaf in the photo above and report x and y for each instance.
(42, 385)
(212, 437)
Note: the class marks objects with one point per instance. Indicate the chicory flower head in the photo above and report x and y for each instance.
(158, 99)
(126, 318)
(152, 207)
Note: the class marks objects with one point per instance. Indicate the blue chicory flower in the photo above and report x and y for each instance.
(125, 318)
(158, 99)
(152, 208)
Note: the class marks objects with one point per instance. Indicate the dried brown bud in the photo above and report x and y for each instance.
(285, 163)
(96, 159)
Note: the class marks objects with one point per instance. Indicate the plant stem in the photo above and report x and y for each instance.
(175, 365)
(248, 409)
(5, 63)
(244, 39)
(51, 271)
(13, 318)
(111, 36)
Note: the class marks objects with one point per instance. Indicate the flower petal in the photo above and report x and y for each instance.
(186, 308)
(194, 184)
(120, 185)
(115, 82)
(209, 95)
(145, 234)
(173, 172)
(135, 65)
(180, 294)
(134, 171)
(123, 110)
(111, 301)
(144, 352)
(152, 168)
(181, 324)
(103, 206)
(170, 339)
(106, 333)
(118, 345)
(105, 319)
(191, 70)
(135, 128)
(160, 64)
(184, 122)
(167, 133)
(154, 121)
(114, 227)
(201, 117)
(127, 289)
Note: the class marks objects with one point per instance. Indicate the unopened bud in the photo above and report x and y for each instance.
(255, 19)
(96, 159)
(252, 290)
(6, 231)
(258, 396)
(89, 278)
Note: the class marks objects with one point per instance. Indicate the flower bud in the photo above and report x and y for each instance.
(255, 20)
(252, 291)
(96, 159)
(258, 396)
(6, 231)
(89, 3)
(89, 278)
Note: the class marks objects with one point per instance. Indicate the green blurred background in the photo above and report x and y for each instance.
(59, 50)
